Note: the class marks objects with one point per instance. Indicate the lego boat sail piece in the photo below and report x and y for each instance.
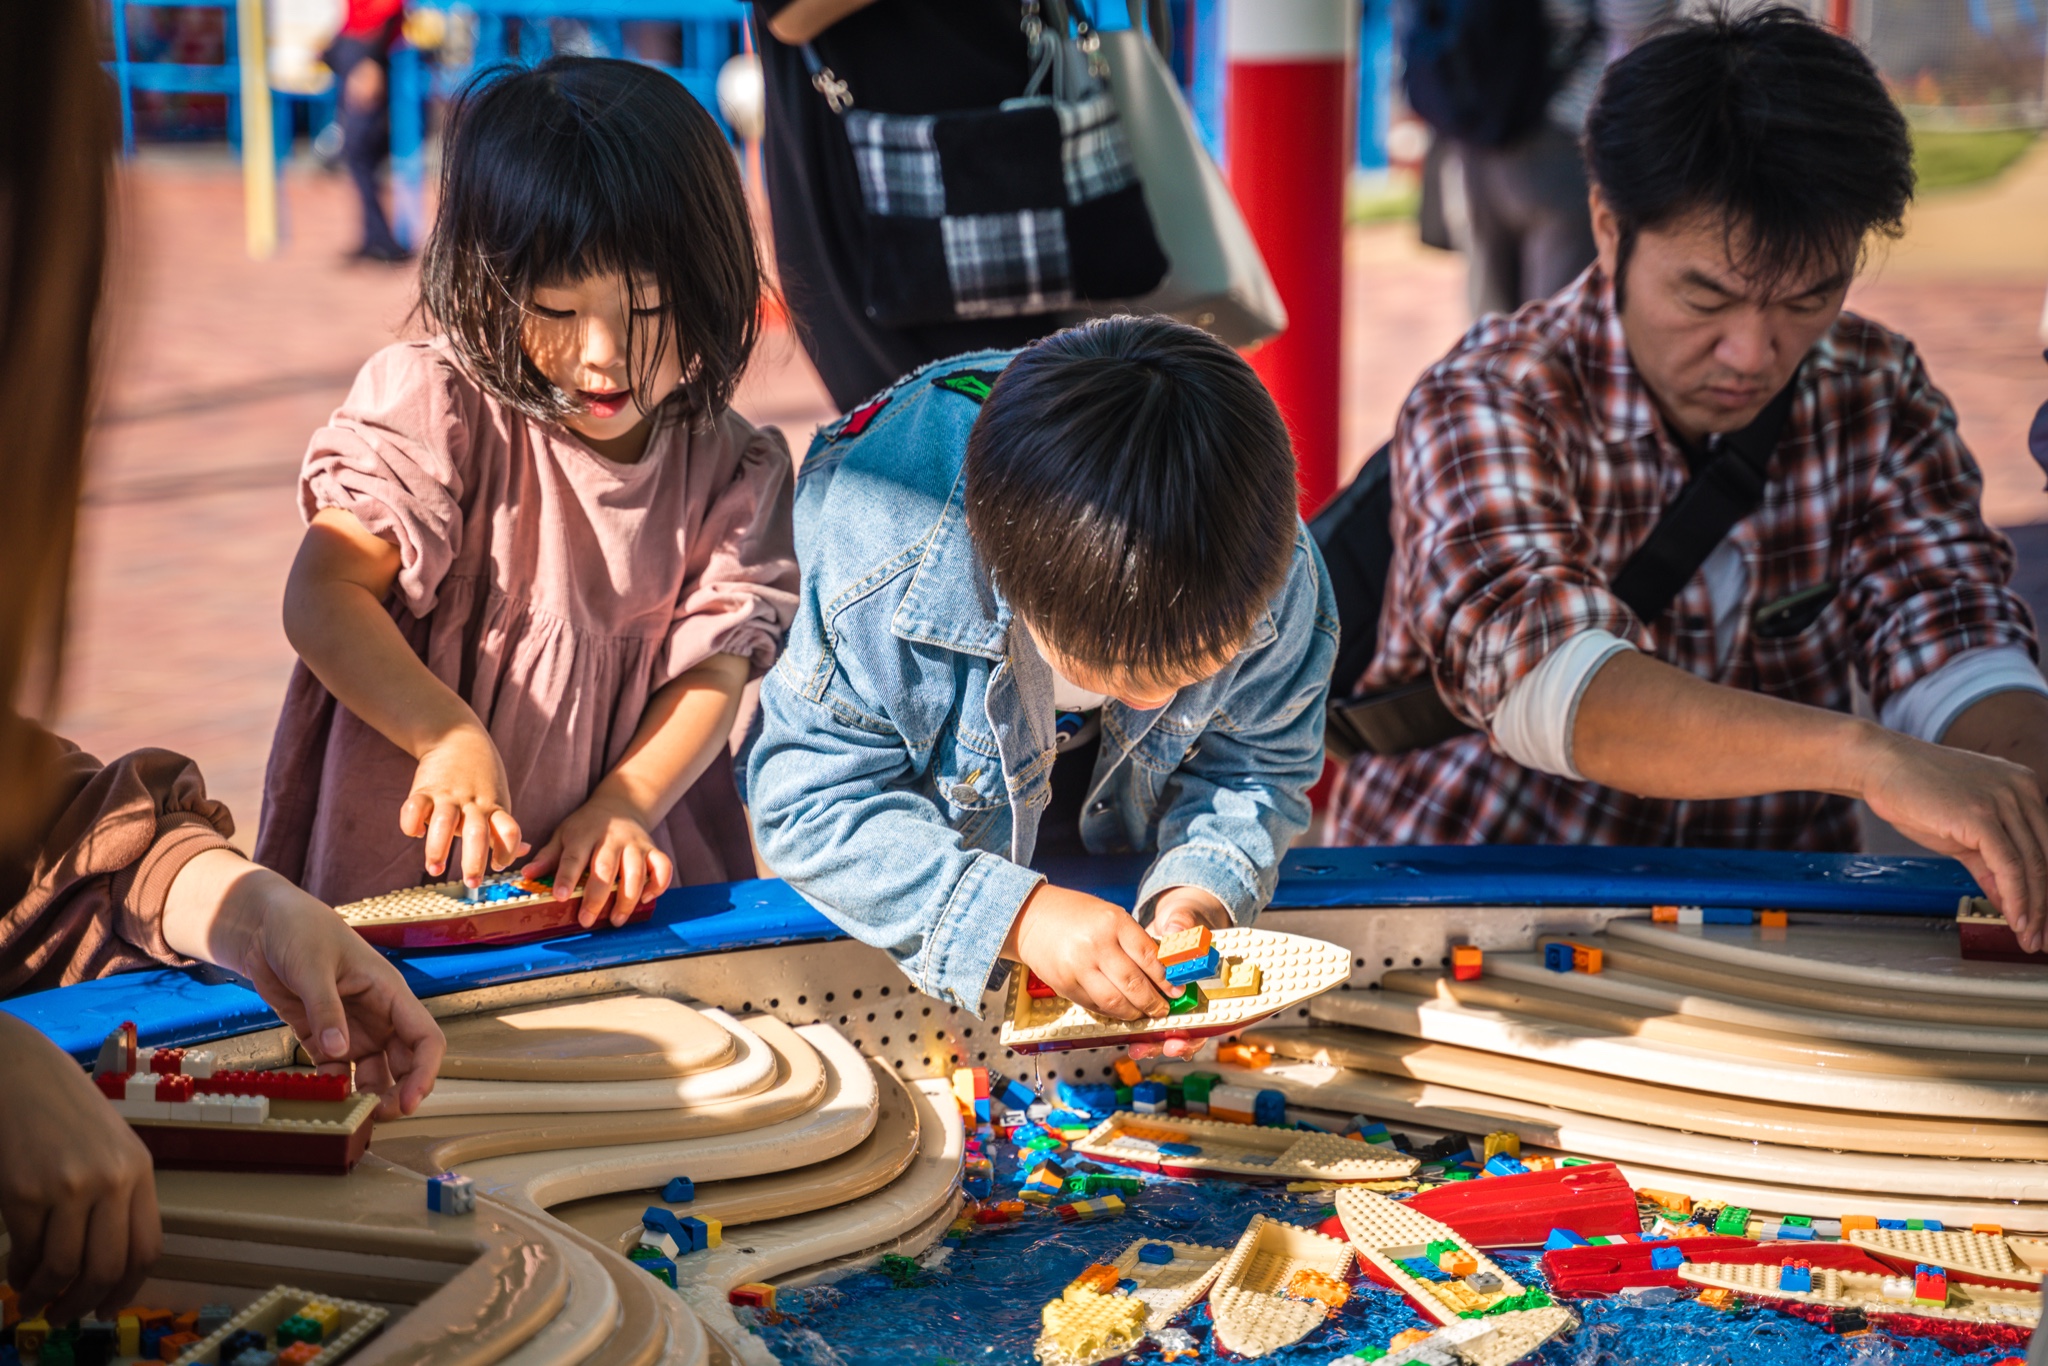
(504, 909)
(1249, 1304)
(1425, 1260)
(1205, 1147)
(1292, 969)
(1968, 1256)
(2019, 1310)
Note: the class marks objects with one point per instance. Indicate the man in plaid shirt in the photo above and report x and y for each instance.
(1739, 166)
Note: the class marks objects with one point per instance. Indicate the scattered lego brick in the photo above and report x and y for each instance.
(1127, 1072)
(1733, 1221)
(1245, 1055)
(451, 1193)
(1310, 1284)
(1155, 1254)
(1467, 962)
(1561, 1238)
(680, 1190)
(1772, 920)
(1714, 1297)
(754, 1294)
(1102, 1207)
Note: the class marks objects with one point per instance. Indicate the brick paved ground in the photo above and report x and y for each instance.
(222, 366)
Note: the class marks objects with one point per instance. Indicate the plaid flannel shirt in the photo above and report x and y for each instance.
(1528, 465)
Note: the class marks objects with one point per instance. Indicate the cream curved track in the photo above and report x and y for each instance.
(584, 1321)
(627, 1036)
(919, 1200)
(1597, 1050)
(1919, 955)
(843, 1117)
(1344, 1091)
(614, 1220)
(750, 1071)
(1695, 1000)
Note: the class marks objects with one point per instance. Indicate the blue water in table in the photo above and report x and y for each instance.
(981, 1307)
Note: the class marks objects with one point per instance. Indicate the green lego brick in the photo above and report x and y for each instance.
(1197, 1085)
(1732, 1221)
(1189, 1001)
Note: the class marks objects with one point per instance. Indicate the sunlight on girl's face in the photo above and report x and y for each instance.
(575, 333)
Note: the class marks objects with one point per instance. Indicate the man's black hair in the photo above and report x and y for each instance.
(583, 165)
(1780, 128)
(1131, 488)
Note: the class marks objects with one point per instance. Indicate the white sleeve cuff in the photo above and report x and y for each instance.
(1929, 707)
(1534, 724)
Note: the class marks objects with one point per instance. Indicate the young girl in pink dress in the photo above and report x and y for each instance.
(543, 557)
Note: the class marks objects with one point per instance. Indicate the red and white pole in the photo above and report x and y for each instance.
(1287, 144)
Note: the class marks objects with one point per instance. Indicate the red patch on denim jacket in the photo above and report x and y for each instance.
(857, 421)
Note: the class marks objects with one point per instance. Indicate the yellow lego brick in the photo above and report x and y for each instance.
(326, 1315)
(1239, 978)
(1084, 1326)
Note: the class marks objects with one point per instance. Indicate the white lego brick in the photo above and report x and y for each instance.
(250, 1109)
(142, 1086)
(199, 1062)
(656, 1239)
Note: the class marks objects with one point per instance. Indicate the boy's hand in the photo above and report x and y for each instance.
(76, 1189)
(459, 789)
(605, 843)
(1181, 908)
(345, 1002)
(1089, 951)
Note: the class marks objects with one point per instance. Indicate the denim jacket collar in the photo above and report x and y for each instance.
(951, 601)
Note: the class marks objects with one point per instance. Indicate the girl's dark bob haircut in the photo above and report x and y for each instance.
(579, 166)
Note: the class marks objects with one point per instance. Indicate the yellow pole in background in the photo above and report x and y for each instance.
(259, 151)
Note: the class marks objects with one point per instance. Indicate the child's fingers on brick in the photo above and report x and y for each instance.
(1143, 950)
(476, 842)
(441, 829)
(505, 842)
(597, 886)
(145, 1245)
(661, 872)
(1095, 991)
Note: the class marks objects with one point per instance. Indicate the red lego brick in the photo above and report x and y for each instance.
(1036, 987)
(167, 1061)
(174, 1088)
(277, 1085)
(113, 1085)
(1517, 1211)
(1467, 962)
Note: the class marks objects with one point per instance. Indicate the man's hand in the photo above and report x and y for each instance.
(1985, 812)
(1090, 951)
(339, 995)
(76, 1188)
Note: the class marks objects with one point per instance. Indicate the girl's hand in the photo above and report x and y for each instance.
(76, 1188)
(605, 843)
(345, 1002)
(460, 789)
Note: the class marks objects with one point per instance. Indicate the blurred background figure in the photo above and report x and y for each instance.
(1508, 84)
(360, 57)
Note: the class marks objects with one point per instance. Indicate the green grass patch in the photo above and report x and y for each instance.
(1945, 161)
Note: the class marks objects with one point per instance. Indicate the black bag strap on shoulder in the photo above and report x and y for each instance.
(1355, 534)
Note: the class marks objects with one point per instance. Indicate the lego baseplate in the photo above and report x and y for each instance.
(1223, 1148)
(1250, 1303)
(1968, 1256)
(504, 909)
(1292, 969)
(1396, 1241)
(1168, 1288)
(1095, 1319)
(1495, 1340)
(1982, 1304)
(352, 1323)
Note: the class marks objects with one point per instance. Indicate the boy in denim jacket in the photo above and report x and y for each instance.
(1053, 600)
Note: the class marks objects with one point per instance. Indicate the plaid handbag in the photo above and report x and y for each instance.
(1033, 206)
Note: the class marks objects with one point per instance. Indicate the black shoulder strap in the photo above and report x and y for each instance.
(1705, 511)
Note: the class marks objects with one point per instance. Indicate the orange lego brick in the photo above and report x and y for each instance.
(1182, 945)
(1245, 1055)
(1127, 1072)
(1854, 1221)
(1467, 962)
(1101, 1278)
(1772, 920)
(1310, 1284)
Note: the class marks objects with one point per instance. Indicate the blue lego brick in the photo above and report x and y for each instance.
(1098, 1100)
(1500, 1164)
(1560, 1238)
(655, 1219)
(1799, 1278)
(1194, 969)
(1068, 1119)
(1179, 1150)
(1666, 1259)
(1269, 1107)
(1152, 1092)
(1557, 957)
(1155, 1254)
(1126, 1286)
(1891, 1223)
(1799, 1233)
(1011, 1092)
(680, 1190)
(661, 1268)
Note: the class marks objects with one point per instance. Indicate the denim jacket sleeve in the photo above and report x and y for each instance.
(829, 781)
(1240, 798)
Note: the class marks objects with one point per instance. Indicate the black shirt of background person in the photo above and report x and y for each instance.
(897, 57)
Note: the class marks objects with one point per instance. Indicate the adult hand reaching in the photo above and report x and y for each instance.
(339, 995)
(76, 1187)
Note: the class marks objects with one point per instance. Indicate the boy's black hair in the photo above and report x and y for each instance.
(1131, 488)
(581, 165)
(1776, 125)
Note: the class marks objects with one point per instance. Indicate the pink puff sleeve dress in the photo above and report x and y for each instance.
(554, 590)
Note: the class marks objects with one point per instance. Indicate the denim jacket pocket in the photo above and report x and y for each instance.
(967, 775)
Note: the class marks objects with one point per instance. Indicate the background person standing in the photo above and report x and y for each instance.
(360, 57)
